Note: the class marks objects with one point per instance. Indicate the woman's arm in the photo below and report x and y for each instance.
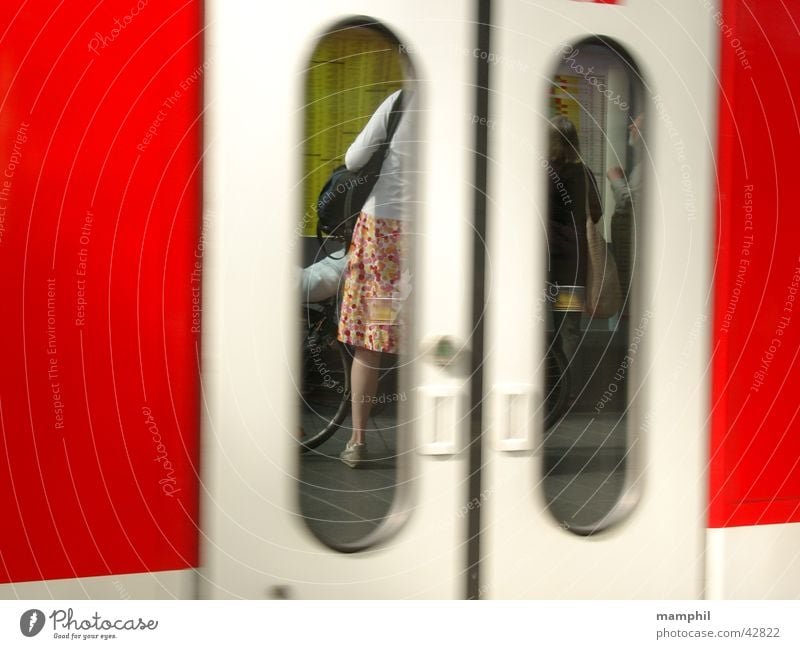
(371, 136)
(619, 185)
(595, 207)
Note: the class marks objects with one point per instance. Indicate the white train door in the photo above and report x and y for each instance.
(608, 501)
(268, 512)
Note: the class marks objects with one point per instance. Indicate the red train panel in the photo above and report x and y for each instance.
(755, 478)
(100, 202)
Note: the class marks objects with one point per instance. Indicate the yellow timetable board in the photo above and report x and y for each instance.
(575, 98)
(351, 72)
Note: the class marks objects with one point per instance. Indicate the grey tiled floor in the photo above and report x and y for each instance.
(341, 504)
(583, 472)
(584, 467)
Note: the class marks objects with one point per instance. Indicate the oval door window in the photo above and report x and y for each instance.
(594, 166)
(354, 298)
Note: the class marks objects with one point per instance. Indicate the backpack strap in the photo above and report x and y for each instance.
(375, 162)
(391, 127)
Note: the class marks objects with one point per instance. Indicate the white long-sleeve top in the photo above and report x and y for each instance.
(391, 197)
(628, 191)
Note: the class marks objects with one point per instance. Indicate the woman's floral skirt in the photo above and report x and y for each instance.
(369, 313)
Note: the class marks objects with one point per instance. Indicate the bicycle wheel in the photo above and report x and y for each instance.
(556, 385)
(325, 397)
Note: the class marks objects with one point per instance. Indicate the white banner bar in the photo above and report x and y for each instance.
(401, 625)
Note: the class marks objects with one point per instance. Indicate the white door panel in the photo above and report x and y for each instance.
(256, 541)
(656, 549)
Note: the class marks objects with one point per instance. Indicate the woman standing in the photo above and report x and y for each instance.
(372, 277)
(570, 181)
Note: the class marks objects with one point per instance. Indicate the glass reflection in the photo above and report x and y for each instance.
(595, 135)
(355, 285)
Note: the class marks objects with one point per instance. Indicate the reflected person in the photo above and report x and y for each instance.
(627, 197)
(571, 188)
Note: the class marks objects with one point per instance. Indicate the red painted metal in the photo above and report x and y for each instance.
(100, 199)
(755, 441)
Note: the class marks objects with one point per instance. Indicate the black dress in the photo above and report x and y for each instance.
(567, 243)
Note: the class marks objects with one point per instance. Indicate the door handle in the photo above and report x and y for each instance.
(441, 405)
(515, 420)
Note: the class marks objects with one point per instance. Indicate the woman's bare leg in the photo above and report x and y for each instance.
(364, 384)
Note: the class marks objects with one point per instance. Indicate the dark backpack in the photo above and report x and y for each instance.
(345, 193)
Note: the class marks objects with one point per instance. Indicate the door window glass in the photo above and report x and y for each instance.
(356, 283)
(594, 165)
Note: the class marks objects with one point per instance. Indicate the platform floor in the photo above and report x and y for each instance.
(583, 476)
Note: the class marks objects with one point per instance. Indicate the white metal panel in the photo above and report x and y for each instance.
(754, 562)
(657, 551)
(254, 538)
(175, 584)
